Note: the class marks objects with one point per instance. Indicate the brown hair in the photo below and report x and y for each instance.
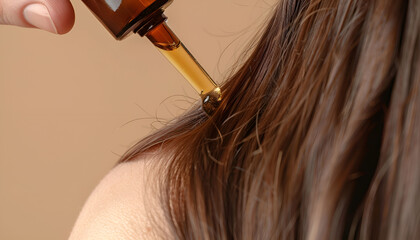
(317, 136)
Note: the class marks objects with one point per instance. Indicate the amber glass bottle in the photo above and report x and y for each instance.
(122, 17)
(145, 17)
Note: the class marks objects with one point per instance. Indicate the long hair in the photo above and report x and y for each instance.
(317, 136)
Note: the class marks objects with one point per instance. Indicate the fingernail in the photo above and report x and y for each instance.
(37, 14)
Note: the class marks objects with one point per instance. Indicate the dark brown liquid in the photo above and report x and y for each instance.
(163, 37)
(122, 16)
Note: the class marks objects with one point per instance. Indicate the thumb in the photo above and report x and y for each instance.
(56, 16)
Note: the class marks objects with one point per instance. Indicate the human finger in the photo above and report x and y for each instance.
(56, 16)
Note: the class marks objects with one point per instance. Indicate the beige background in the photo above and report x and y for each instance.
(70, 105)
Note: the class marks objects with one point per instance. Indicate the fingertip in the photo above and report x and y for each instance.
(62, 15)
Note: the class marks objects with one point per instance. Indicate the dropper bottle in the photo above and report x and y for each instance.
(146, 18)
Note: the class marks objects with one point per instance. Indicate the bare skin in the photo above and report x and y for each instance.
(124, 205)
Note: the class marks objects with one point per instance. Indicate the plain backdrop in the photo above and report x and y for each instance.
(71, 105)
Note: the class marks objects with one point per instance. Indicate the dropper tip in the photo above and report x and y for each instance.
(212, 100)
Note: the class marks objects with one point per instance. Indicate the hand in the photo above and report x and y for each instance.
(56, 16)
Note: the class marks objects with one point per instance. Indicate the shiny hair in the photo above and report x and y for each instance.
(317, 136)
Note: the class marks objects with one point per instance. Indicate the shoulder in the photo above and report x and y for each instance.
(125, 204)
